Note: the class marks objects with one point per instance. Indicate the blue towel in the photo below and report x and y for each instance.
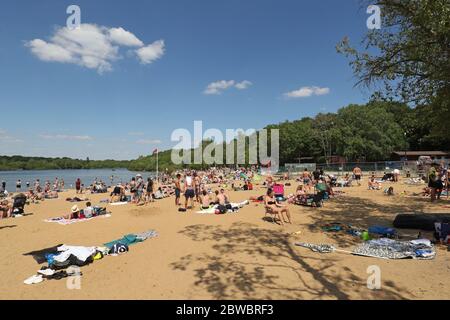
(384, 231)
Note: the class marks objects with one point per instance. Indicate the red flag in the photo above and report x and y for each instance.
(155, 151)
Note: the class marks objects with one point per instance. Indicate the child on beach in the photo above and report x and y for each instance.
(149, 191)
(88, 211)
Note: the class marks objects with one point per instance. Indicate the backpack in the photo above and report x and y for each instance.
(222, 209)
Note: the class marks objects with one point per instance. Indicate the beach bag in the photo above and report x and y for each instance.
(424, 221)
(384, 231)
(278, 189)
(222, 209)
(119, 248)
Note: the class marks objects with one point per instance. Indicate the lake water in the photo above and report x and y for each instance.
(69, 176)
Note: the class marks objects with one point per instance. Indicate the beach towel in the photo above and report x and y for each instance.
(65, 222)
(81, 253)
(131, 239)
(146, 235)
(393, 249)
(118, 203)
(321, 248)
(210, 210)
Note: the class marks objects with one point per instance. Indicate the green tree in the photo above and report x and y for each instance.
(409, 56)
(368, 132)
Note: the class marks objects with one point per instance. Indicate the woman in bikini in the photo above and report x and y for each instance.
(277, 209)
(306, 179)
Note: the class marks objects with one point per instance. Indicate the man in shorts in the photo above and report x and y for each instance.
(358, 174)
(189, 190)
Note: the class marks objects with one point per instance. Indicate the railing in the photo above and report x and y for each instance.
(380, 166)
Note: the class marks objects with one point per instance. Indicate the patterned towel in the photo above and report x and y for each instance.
(322, 248)
(65, 222)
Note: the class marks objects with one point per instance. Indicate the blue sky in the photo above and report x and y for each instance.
(56, 102)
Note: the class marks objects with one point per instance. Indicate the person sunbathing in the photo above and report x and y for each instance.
(276, 208)
(257, 199)
(77, 199)
(118, 193)
(300, 193)
(223, 198)
(51, 195)
(88, 212)
(373, 184)
(5, 209)
(159, 194)
(75, 213)
(205, 200)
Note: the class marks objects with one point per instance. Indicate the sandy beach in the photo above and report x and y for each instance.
(231, 256)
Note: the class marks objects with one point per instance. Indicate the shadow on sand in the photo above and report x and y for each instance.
(271, 267)
(8, 227)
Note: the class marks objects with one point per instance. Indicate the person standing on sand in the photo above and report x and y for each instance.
(197, 187)
(78, 185)
(396, 173)
(432, 181)
(358, 174)
(189, 190)
(149, 191)
(139, 188)
(133, 189)
(177, 189)
(37, 186)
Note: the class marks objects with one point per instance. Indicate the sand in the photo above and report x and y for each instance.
(233, 256)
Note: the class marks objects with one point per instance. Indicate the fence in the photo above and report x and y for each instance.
(380, 166)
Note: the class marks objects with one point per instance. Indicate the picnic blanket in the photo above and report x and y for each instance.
(393, 249)
(421, 249)
(64, 222)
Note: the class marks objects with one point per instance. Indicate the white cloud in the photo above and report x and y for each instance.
(145, 141)
(124, 38)
(243, 85)
(65, 137)
(305, 92)
(5, 137)
(218, 87)
(90, 46)
(151, 52)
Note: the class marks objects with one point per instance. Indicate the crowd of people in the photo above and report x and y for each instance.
(207, 188)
